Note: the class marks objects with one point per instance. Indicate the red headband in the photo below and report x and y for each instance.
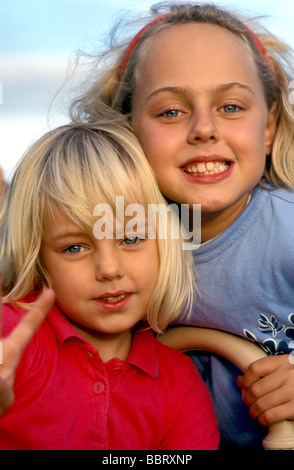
(161, 18)
(135, 41)
(260, 46)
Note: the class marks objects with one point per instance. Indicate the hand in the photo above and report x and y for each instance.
(13, 346)
(268, 389)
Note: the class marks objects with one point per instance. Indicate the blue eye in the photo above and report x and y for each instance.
(172, 113)
(131, 240)
(231, 108)
(74, 249)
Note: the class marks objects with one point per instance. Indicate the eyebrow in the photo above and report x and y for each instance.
(183, 91)
(141, 225)
(229, 86)
(62, 235)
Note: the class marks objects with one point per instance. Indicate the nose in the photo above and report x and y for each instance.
(203, 127)
(108, 264)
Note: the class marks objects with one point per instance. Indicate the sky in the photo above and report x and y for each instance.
(39, 40)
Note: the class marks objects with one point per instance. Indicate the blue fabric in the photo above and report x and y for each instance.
(246, 282)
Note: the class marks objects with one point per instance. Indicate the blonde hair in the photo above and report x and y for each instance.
(76, 167)
(118, 92)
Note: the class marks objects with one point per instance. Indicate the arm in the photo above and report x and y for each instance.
(243, 354)
(13, 346)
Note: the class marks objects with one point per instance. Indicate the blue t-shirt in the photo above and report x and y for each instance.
(246, 282)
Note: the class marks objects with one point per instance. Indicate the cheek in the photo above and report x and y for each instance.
(69, 298)
(153, 272)
(160, 153)
(157, 141)
(67, 283)
(248, 143)
(148, 271)
(149, 142)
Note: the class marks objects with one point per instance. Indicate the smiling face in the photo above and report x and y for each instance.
(102, 286)
(200, 114)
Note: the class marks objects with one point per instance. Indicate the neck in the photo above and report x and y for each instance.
(214, 223)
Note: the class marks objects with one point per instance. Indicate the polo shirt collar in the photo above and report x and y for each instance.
(143, 354)
(62, 328)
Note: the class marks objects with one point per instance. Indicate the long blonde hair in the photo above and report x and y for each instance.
(118, 92)
(76, 167)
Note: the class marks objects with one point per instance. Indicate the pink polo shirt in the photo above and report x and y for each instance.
(67, 398)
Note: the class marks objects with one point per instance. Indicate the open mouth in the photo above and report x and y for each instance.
(207, 168)
(113, 299)
(114, 302)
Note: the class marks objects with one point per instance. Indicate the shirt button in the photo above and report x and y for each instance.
(98, 388)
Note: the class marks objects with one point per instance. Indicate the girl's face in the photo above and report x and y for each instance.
(200, 114)
(102, 286)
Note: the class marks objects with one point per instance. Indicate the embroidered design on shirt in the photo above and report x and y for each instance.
(268, 325)
(278, 342)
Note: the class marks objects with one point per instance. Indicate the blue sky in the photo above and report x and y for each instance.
(38, 42)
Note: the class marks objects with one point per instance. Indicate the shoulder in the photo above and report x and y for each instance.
(174, 364)
(177, 372)
(279, 212)
(166, 352)
(282, 195)
(274, 207)
(190, 417)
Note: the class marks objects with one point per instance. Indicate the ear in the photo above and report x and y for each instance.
(271, 128)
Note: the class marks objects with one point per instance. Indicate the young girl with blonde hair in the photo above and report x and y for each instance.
(93, 376)
(207, 93)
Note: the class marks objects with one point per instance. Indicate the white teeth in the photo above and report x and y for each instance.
(114, 299)
(209, 168)
(201, 168)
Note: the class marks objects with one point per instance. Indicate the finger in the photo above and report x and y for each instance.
(261, 388)
(263, 367)
(25, 330)
(276, 414)
(275, 392)
(266, 402)
(281, 377)
(240, 381)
